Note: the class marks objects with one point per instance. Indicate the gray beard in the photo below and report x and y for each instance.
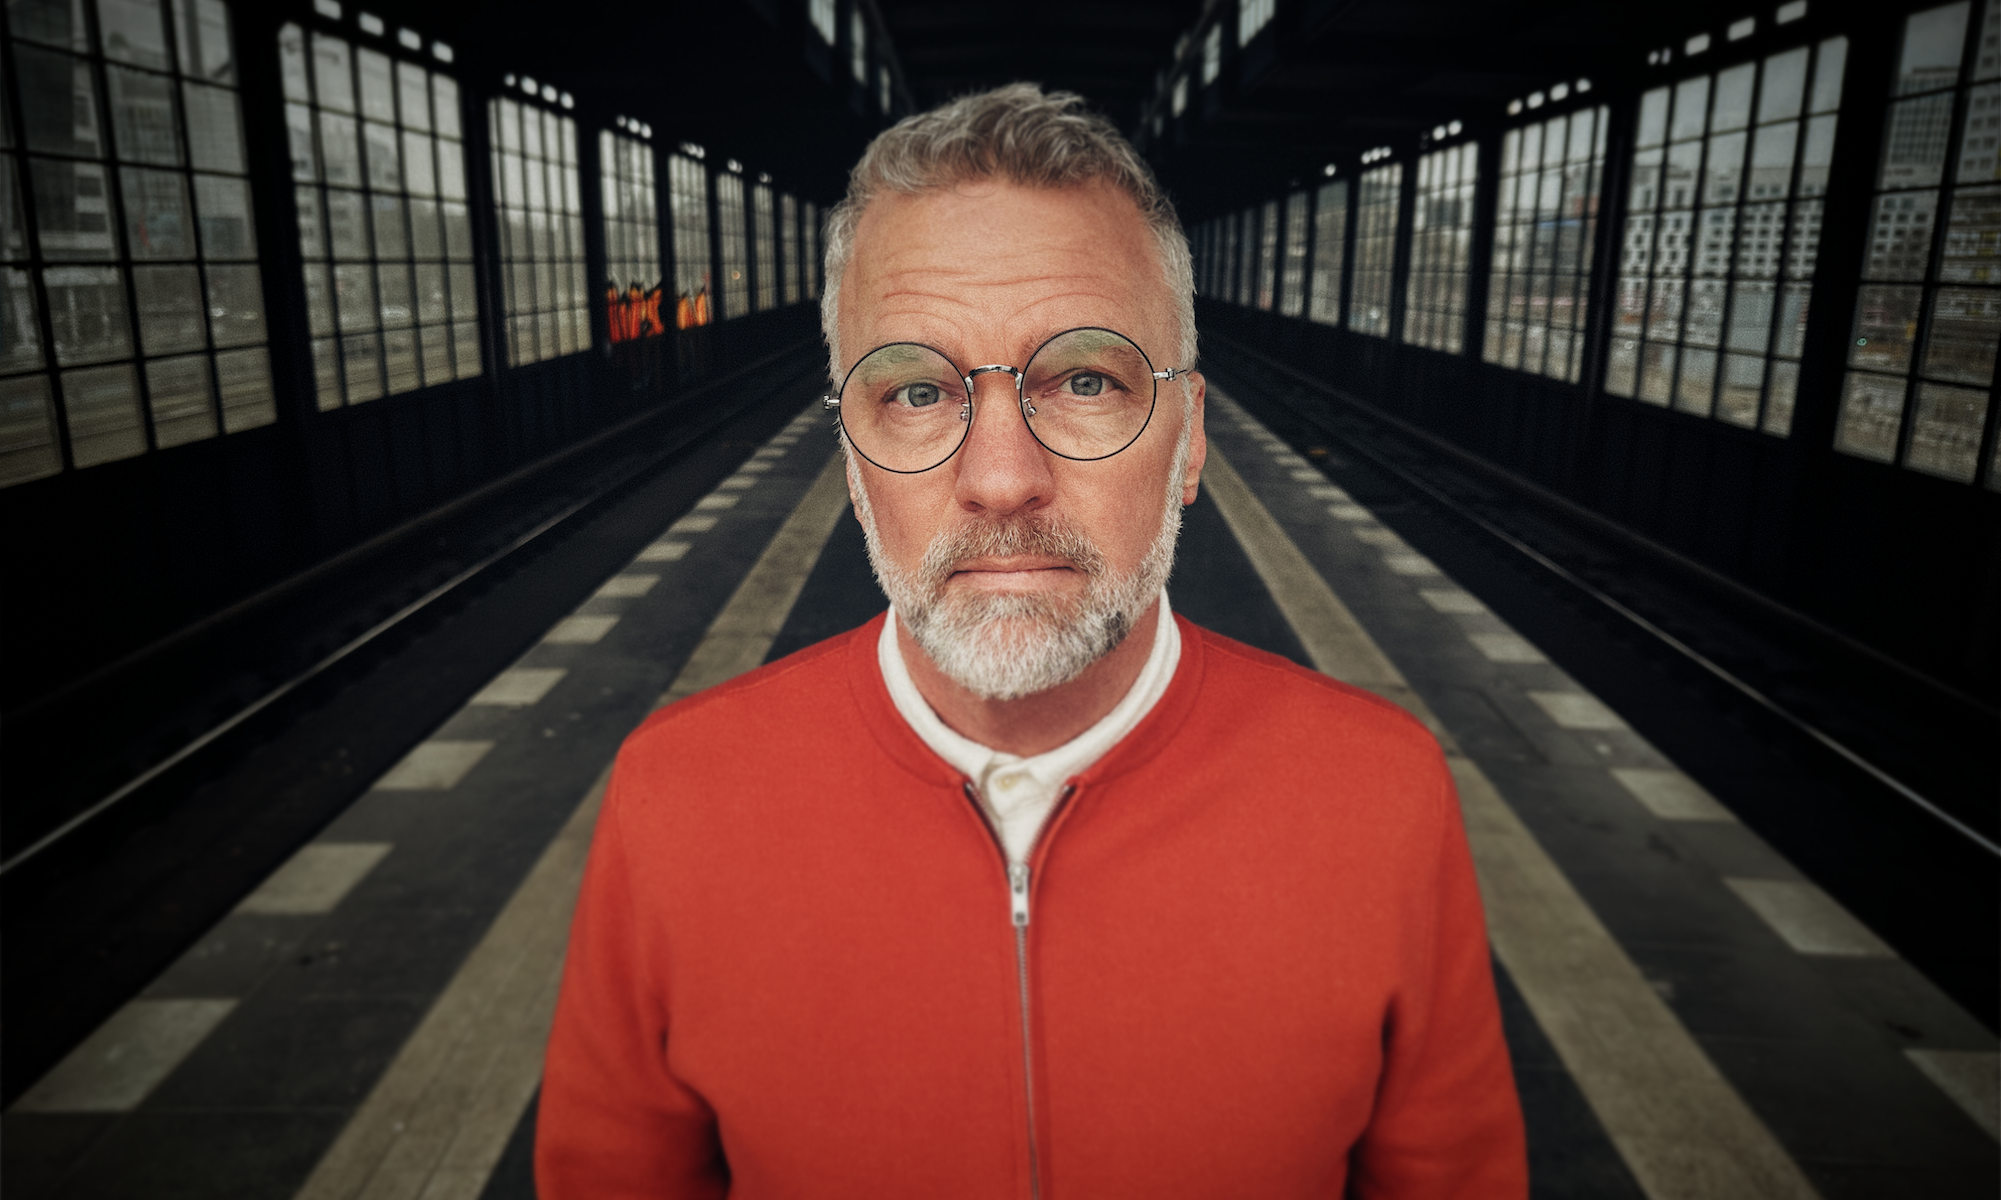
(1003, 646)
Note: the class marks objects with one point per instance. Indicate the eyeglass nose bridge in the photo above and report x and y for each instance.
(966, 411)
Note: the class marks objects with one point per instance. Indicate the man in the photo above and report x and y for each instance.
(1030, 889)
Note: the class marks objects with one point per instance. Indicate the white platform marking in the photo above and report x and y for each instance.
(693, 523)
(1349, 512)
(315, 879)
(716, 503)
(1577, 710)
(434, 766)
(1451, 600)
(579, 631)
(1809, 919)
(1326, 491)
(1971, 1077)
(1671, 795)
(1506, 647)
(663, 552)
(1306, 475)
(128, 1056)
(518, 687)
(1410, 563)
(737, 481)
(767, 453)
(755, 465)
(626, 587)
(1376, 535)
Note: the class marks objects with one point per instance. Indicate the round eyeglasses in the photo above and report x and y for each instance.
(1085, 393)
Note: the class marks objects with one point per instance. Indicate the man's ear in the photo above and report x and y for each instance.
(1198, 441)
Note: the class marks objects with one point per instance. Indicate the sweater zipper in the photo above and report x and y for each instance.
(1017, 889)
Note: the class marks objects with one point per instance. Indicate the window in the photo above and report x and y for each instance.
(1212, 53)
(631, 238)
(1330, 231)
(858, 45)
(1921, 351)
(1723, 230)
(809, 249)
(1441, 233)
(764, 225)
(788, 233)
(1292, 281)
(821, 14)
(1246, 279)
(882, 89)
(1375, 249)
(1545, 222)
(688, 208)
(1253, 15)
(536, 191)
(1179, 101)
(1265, 282)
(730, 224)
(383, 227)
(140, 243)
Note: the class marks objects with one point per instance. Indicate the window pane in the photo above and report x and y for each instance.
(326, 373)
(1872, 410)
(319, 300)
(1784, 86)
(13, 219)
(1914, 144)
(347, 224)
(133, 32)
(170, 309)
(142, 114)
(1973, 237)
(1965, 325)
(1750, 315)
(1733, 97)
(333, 73)
(51, 22)
(236, 304)
(57, 103)
(1900, 235)
(340, 150)
(426, 236)
(224, 208)
(1886, 323)
(87, 309)
(429, 282)
(392, 235)
(73, 210)
(361, 363)
(20, 323)
(465, 305)
(1946, 425)
(445, 116)
(102, 404)
(1691, 108)
(215, 136)
(1694, 390)
(157, 221)
(1980, 144)
(292, 63)
(243, 380)
(299, 133)
(399, 353)
(1931, 50)
(28, 447)
(177, 389)
(1779, 397)
(434, 354)
(354, 296)
(201, 30)
(378, 91)
(385, 165)
(458, 231)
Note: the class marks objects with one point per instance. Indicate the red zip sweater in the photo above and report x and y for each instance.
(1252, 964)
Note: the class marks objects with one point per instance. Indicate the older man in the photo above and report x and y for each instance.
(1028, 889)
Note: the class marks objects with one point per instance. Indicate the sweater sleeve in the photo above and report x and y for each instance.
(1447, 1121)
(613, 1122)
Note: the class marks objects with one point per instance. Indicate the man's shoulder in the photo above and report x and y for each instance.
(777, 701)
(1256, 682)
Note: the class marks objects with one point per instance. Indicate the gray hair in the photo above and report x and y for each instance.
(1025, 136)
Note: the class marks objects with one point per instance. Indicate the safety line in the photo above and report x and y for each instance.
(1691, 653)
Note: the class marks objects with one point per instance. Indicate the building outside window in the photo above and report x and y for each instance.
(1441, 237)
(1375, 249)
(135, 229)
(1330, 232)
(688, 209)
(764, 224)
(1253, 15)
(1265, 283)
(1920, 387)
(882, 89)
(1212, 53)
(1545, 223)
(1721, 238)
(631, 238)
(858, 45)
(730, 222)
(1292, 272)
(788, 233)
(537, 194)
(380, 174)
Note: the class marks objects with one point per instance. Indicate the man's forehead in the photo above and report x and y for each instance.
(996, 219)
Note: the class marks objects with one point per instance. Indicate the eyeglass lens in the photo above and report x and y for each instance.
(1086, 394)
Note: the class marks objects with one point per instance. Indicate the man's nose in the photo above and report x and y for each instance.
(1001, 467)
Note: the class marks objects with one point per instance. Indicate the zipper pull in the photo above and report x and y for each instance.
(1017, 881)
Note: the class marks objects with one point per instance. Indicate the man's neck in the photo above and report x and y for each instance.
(1046, 720)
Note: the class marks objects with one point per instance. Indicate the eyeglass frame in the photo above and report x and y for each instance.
(832, 403)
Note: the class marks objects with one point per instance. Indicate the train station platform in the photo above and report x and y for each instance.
(1691, 1016)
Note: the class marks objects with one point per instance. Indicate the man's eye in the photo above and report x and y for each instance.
(917, 395)
(1088, 385)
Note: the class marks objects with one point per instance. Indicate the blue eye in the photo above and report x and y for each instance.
(918, 395)
(1087, 385)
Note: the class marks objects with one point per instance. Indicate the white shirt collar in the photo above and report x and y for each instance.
(1018, 793)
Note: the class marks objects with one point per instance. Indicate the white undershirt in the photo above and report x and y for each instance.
(1018, 793)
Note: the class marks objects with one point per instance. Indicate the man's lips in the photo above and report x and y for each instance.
(1017, 569)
